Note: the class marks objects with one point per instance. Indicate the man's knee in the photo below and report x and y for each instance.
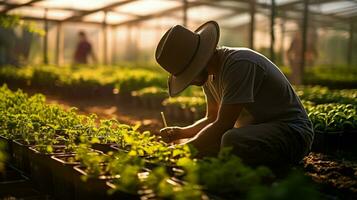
(229, 138)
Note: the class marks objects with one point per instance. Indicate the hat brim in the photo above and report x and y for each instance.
(209, 36)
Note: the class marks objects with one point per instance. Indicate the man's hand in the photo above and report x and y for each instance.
(170, 134)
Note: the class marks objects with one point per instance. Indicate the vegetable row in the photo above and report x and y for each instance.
(141, 161)
(130, 77)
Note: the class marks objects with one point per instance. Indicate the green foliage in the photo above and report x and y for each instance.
(295, 187)
(333, 117)
(128, 167)
(193, 103)
(32, 120)
(228, 175)
(2, 156)
(332, 77)
(150, 92)
(12, 21)
(321, 95)
(164, 187)
(87, 78)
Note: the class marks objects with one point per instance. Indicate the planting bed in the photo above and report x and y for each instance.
(135, 163)
(75, 153)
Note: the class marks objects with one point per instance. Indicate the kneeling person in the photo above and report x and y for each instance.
(251, 106)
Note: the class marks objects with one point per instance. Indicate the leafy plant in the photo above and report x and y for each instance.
(226, 174)
(333, 117)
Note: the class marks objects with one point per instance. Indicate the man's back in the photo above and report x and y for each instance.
(249, 78)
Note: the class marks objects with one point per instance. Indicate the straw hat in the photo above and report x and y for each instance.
(184, 54)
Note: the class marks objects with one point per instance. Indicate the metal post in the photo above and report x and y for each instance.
(114, 47)
(252, 24)
(185, 7)
(282, 42)
(105, 39)
(58, 42)
(304, 35)
(350, 45)
(272, 33)
(45, 38)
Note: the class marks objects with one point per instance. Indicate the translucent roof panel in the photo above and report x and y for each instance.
(236, 20)
(277, 2)
(234, 4)
(76, 4)
(239, 20)
(40, 13)
(112, 17)
(163, 22)
(333, 7)
(349, 13)
(204, 13)
(147, 7)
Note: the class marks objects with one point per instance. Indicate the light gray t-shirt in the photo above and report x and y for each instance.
(249, 78)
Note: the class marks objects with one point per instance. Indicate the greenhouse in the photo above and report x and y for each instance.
(178, 99)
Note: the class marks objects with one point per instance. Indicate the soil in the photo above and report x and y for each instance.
(336, 175)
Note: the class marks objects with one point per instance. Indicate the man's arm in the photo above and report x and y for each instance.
(208, 140)
(191, 130)
(211, 115)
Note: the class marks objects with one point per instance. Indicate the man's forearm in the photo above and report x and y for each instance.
(192, 130)
(208, 140)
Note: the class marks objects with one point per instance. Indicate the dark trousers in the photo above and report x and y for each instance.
(271, 144)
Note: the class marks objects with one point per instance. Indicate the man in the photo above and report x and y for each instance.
(251, 106)
(83, 50)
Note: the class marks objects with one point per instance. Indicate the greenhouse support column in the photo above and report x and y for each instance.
(350, 45)
(58, 43)
(252, 24)
(272, 33)
(45, 39)
(185, 7)
(282, 39)
(304, 36)
(114, 47)
(105, 39)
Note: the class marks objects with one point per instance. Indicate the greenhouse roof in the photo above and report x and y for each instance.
(229, 13)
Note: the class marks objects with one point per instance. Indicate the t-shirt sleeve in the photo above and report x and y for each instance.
(239, 83)
(208, 95)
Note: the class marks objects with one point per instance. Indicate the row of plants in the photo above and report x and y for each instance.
(322, 95)
(331, 76)
(89, 80)
(94, 80)
(337, 111)
(76, 156)
(339, 77)
(335, 126)
(332, 117)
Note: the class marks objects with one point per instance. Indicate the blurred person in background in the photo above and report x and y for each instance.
(83, 50)
(251, 106)
(294, 54)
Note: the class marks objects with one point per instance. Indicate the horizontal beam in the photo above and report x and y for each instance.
(60, 21)
(159, 14)
(68, 9)
(105, 8)
(11, 7)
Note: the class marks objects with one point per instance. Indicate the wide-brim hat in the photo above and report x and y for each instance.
(184, 54)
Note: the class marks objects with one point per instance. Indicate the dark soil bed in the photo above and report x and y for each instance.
(335, 174)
